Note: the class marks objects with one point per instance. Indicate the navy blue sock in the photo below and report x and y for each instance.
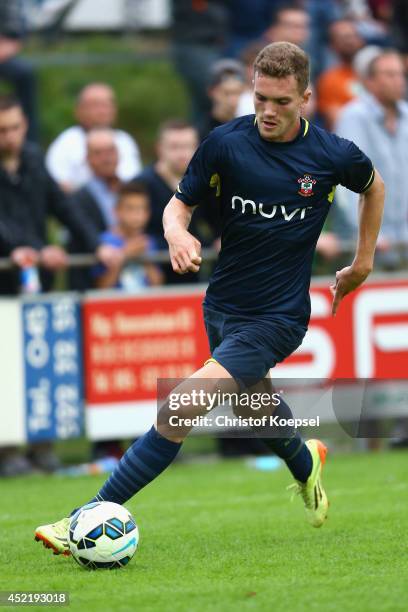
(142, 463)
(290, 447)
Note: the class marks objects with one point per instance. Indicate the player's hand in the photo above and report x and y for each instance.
(53, 257)
(24, 257)
(184, 252)
(347, 279)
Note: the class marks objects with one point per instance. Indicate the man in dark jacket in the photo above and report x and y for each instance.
(96, 199)
(28, 196)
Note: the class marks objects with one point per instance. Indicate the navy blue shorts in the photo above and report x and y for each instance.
(247, 347)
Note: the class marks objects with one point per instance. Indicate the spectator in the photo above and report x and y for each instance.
(374, 32)
(340, 84)
(199, 33)
(176, 144)
(28, 196)
(378, 123)
(226, 85)
(16, 71)
(130, 237)
(291, 24)
(97, 198)
(321, 13)
(66, 156)
(246, 99)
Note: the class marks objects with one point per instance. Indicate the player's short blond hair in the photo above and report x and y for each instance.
(282, 59)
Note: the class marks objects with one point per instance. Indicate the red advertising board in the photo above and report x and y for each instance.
(368, 338)
(130, 342)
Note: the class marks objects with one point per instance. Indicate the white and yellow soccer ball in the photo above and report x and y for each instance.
(103, 535)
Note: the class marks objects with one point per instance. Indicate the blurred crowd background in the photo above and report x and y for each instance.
(100, 113)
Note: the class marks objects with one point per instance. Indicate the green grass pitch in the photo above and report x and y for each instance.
(224, 537)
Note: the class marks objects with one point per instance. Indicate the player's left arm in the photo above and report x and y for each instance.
(371, 208)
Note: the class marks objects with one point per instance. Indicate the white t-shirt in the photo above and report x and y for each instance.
(246, 103)
(66, 157)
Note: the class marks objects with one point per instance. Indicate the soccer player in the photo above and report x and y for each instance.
(275, 176)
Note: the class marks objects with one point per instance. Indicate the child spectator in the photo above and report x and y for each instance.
(128, 235)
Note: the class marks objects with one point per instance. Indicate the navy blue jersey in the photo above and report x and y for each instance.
(274, 198)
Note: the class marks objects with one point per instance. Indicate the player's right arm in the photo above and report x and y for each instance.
(184, 249)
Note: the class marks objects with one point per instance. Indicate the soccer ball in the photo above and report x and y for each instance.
(103, 535)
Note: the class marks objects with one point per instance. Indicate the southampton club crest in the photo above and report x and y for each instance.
(306, 186)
